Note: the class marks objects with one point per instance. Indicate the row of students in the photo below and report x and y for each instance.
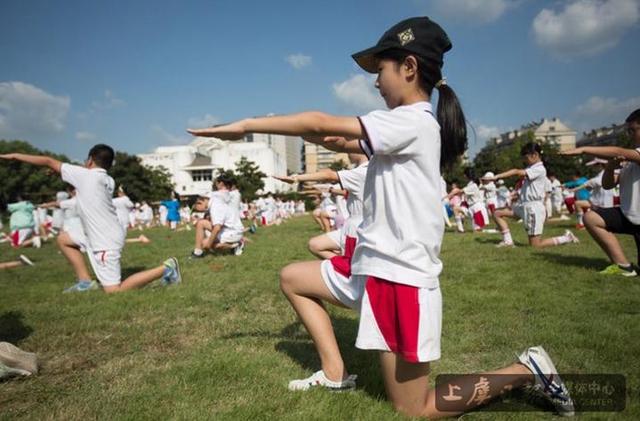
(394, 270)
(104, 236)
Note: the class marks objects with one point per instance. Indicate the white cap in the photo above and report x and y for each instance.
(488, 174)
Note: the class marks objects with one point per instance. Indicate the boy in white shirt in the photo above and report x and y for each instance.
(105, 237)
(604, 223)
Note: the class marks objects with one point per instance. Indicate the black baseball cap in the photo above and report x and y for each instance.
(419, 35)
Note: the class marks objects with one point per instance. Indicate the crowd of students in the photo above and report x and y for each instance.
(382, 224)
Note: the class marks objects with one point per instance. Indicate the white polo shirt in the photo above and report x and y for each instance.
(94, 189)
(472, 194)
(534, 187)
(401, 232)
(630, 191)
(353, 182)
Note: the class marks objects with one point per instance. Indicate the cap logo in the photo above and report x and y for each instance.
(406, 37)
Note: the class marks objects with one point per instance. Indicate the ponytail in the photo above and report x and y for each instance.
(453, 126)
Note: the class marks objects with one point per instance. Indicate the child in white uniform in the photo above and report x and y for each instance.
(394, 283)
(604, 223)
(530, 206)
(104, 234)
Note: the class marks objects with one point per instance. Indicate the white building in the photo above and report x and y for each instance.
(545, 131)
(194, 166)
(289, 147)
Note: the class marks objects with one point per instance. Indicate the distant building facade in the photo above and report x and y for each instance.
(317, 158)
(604, 136)
(194, 166)
(545, 131)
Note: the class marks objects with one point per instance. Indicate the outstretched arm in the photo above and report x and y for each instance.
(510, 173)
(39, 160)
(313, 125)
(606, 152)
(324, 175)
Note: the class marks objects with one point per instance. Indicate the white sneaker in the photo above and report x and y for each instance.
(564, 217)
(19, 361)
(239, 248)
(319, 379)
(505, 244)
(37, 242)
(24, 259)
(572, 237)
(548, 382)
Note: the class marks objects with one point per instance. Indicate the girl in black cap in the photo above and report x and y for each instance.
(393, 278)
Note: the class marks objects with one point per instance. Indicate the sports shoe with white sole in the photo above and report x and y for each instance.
(571, 236)
(82, 286)
(505, 244)
(239, 248)
(319, 379)
(19, 361)
(617, 270)
(24, 259)
(547, 380)
(171, 273)
(37, 241)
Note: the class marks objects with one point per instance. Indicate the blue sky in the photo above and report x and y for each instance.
(136, 74)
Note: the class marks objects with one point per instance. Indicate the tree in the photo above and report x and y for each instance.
(338, 165)
(139, 181)
(249, 178)
(33, 183)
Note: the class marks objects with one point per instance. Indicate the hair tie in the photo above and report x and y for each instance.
(441, 82)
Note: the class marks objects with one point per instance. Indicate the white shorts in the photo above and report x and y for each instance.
(533, 215)
(106, 266)
(337, 237)
(19, 236)
(394, 317)
(229, 236)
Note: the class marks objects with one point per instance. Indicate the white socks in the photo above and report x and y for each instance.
(459, 223)
(506, 237)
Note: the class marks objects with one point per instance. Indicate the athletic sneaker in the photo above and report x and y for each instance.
(196, 256)
(37, 242)
(171, 273)
(571, 236)
(19, 361)
(239, 248)
(547, 380)
(319, 379)
(24, 259)
(564, 217)
(505, 244)
(82, 286)
(615, 269)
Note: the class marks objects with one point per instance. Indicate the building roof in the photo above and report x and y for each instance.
(200, 162)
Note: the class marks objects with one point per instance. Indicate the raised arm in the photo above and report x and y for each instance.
(606, 152)
(330, 131)
(39, 160)
(515, 172)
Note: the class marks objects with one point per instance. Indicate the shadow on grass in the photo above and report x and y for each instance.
(496, 241)
(299, 347)
(594, 263)
(12, 328)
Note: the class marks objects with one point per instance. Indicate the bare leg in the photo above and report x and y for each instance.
(605, 239)
(140, 239)
(73, 254)
(137, 280)
(323, 247)
(201, 226)
(406, 384)
(500, 216)
(305, 289)
(10, 265)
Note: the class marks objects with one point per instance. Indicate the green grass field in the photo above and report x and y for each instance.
(224, 344)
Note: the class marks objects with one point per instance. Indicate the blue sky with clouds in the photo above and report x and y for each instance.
(136, 74)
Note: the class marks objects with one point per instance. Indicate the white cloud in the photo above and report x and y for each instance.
(474, 11)
(28, 112)
(108, 102)
(298, 61)
(598, 111)
(585, 27)
(207, 120)
(86, 136)
(485, 133)
(169, 138)
(359, 92)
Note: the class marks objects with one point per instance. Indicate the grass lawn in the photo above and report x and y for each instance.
(224, 344)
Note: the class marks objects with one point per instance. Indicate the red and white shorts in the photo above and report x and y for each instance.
(19, 236)
(394, 317)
